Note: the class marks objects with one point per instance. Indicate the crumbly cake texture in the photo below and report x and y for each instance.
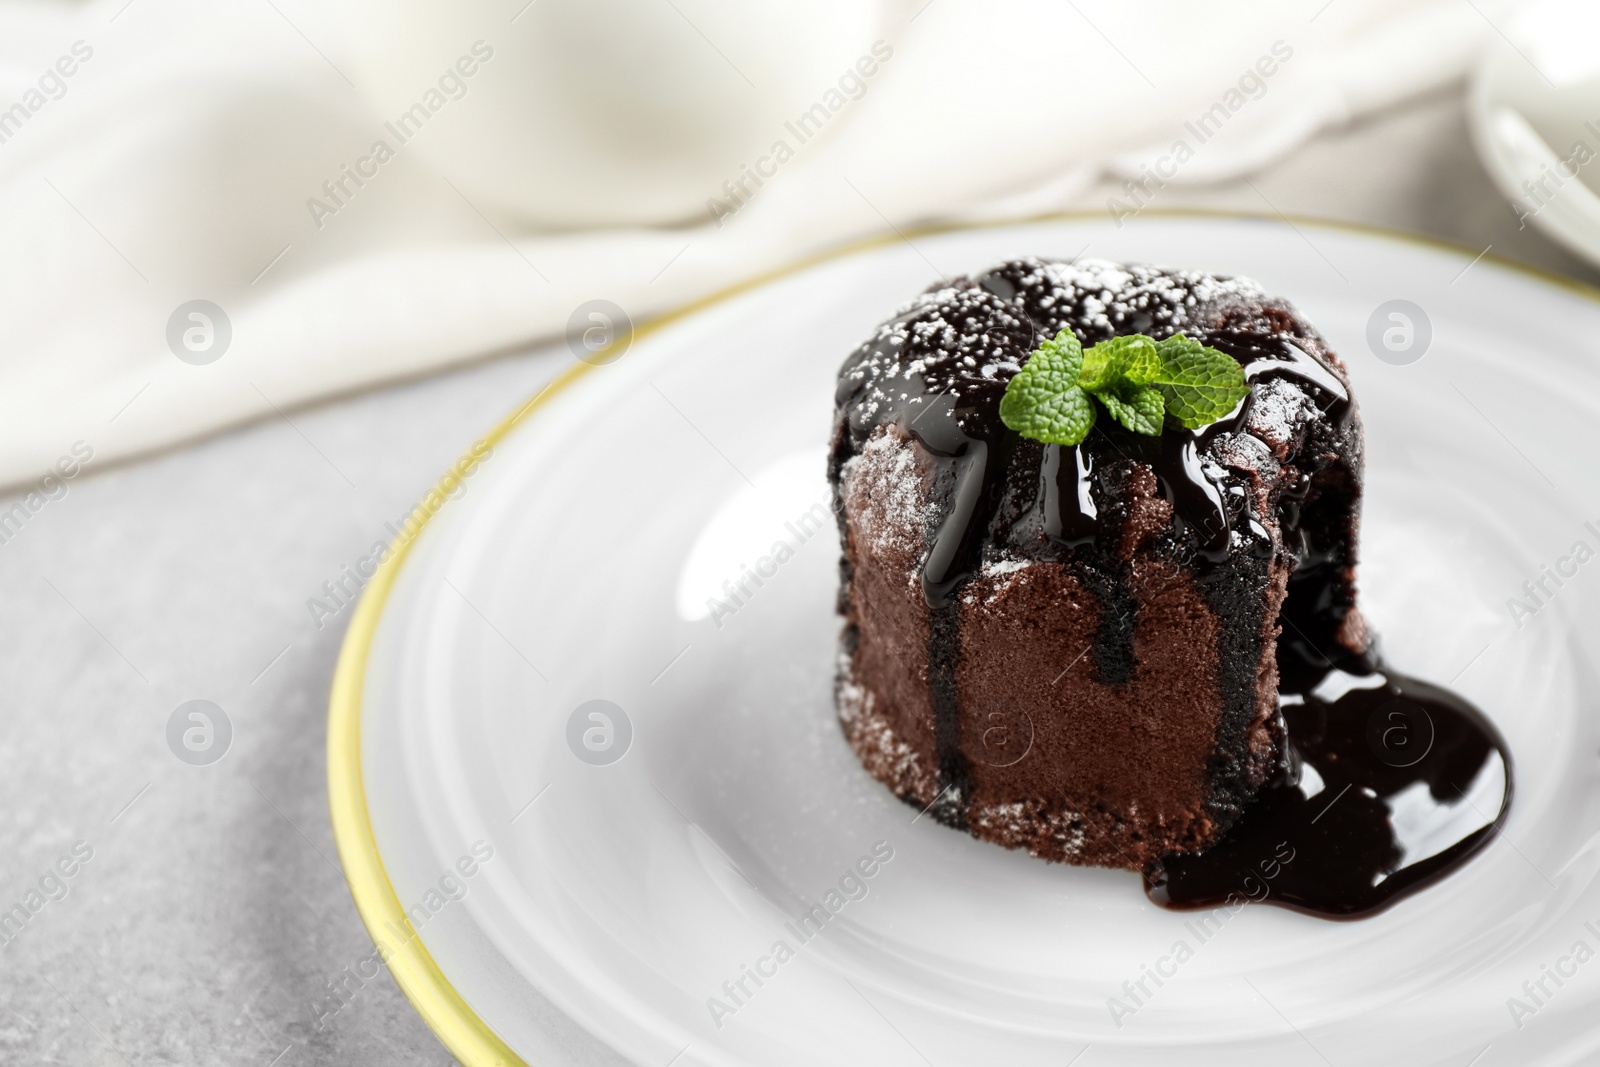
(1104, 693)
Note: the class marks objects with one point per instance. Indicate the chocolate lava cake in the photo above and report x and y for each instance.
(1073, 649)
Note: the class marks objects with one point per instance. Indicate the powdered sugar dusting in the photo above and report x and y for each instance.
(946, 341)
(968, 337)
(889, 508)
(1279, 411)
(997, 576)
(1027, 824)
(885, 755)
(994, 568)
(1097, 297)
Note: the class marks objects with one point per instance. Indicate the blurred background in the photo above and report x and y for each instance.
(266, 268)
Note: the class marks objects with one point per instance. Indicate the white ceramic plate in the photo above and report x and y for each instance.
(576, 564)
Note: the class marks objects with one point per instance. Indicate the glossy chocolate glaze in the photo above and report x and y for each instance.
(1393, 783)
(1288, 457)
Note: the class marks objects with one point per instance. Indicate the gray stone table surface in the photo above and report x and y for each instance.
(211, 912)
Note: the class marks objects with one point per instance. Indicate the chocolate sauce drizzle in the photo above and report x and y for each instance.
(1392, 784)
(937, 372)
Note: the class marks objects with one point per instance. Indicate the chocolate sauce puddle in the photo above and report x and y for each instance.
(1392, 784)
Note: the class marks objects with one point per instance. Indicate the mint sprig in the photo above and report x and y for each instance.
(1140, 381)
(1044, 401)
(1200, 385)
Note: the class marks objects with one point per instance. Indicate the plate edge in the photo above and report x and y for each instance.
(443, 1009)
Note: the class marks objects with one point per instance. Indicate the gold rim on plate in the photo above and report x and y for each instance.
(447, 1014)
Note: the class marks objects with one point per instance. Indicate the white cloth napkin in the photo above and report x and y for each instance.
(174, 163)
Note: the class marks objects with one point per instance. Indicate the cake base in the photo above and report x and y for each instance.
(1087, 833)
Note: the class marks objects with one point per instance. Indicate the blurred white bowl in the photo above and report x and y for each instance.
(1535, 116)
(605, 112)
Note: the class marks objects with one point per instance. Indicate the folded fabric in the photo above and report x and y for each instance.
(154, 154)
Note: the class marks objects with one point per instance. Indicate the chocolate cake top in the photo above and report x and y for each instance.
(938, 369)
(966, 338)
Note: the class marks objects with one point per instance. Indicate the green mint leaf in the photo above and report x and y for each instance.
(1133, 359)
(1139, 381)
(1200, 385)
(1138, 407)
(1044, 401)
